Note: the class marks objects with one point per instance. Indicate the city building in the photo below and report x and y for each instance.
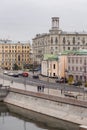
(54, 65)
(69, 64)
(14, 53)
(77, 64)
(57, 41)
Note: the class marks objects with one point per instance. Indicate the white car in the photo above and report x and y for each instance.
(5, 72)
(10, 74)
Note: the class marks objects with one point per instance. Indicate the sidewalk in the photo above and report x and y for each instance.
(56, 92)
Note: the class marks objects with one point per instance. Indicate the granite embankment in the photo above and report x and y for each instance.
(65, 108)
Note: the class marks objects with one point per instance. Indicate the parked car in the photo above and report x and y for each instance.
(77, 83)
(15, 75)
(25, 74)
(5, 72)
(20, 72)
(35, 76)
(61, 80)
(10, 74)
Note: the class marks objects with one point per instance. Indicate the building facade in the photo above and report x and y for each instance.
(54, 65)
(57, 41)
(14, 53)
(77, 65)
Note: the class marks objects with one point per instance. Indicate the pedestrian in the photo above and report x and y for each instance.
(12, 81)
(42, 88)
(38, 88)
(61, 91)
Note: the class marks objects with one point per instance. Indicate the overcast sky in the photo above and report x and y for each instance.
(23, 19)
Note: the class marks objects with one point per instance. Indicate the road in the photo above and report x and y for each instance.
(36, 82)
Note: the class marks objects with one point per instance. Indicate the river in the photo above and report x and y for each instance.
(15, 118)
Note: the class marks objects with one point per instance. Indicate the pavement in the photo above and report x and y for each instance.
(61, 93)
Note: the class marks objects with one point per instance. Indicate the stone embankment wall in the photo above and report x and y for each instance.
(71, 110)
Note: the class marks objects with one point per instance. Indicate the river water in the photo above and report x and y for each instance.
(15, 118)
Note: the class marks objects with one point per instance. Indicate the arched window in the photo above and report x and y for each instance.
(18, 57)
(51, 39)
(56, 40)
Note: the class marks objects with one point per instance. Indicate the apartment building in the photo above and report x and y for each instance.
(57, 41)
(14, 53)
(77, 64)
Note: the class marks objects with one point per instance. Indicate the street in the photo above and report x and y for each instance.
(35, 82)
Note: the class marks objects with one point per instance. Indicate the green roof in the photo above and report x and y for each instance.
(50, 57)
(81, 52)
(67, 52)
(75, 52)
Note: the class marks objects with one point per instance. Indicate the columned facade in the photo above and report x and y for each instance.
(57, 41)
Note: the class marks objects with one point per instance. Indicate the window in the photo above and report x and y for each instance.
(72, 60)
(80, 77)
(54, 66)
(68, 67)
(18, 57)
(80, 68)
(68, 42)
(51, 39)
(76, 60)
(80, 60)
(73, 40)
(78, 43)
(53, 74)
(64, 48)
(56, 40)
(76, 77)
(76, 68)
(72, 68)
(69, 60)
(68, 48)
(83, 40)
(64, 40)
(6, 46)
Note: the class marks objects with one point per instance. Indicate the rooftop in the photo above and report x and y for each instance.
(75, 52)
(50, 57)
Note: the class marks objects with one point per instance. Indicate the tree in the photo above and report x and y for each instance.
(15, 67)
(70, 79)
(86, 84)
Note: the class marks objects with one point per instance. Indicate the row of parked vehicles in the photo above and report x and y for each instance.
(16, 74)
(64, 80)
(61, 80)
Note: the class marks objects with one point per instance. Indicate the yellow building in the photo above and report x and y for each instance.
(14, 53)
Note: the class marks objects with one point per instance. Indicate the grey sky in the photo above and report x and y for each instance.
(23, 19)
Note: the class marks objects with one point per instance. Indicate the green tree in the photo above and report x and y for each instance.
(70, 79)
(15, 67)
(85, 84)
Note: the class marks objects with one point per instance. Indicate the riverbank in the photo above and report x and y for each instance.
(67, 109)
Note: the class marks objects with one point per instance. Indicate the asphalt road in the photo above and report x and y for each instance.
(36, 82)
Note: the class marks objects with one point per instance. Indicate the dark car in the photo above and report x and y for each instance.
(25, 74)
(35, 76)
(61, 80)
(77, 83)
(15, 75)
